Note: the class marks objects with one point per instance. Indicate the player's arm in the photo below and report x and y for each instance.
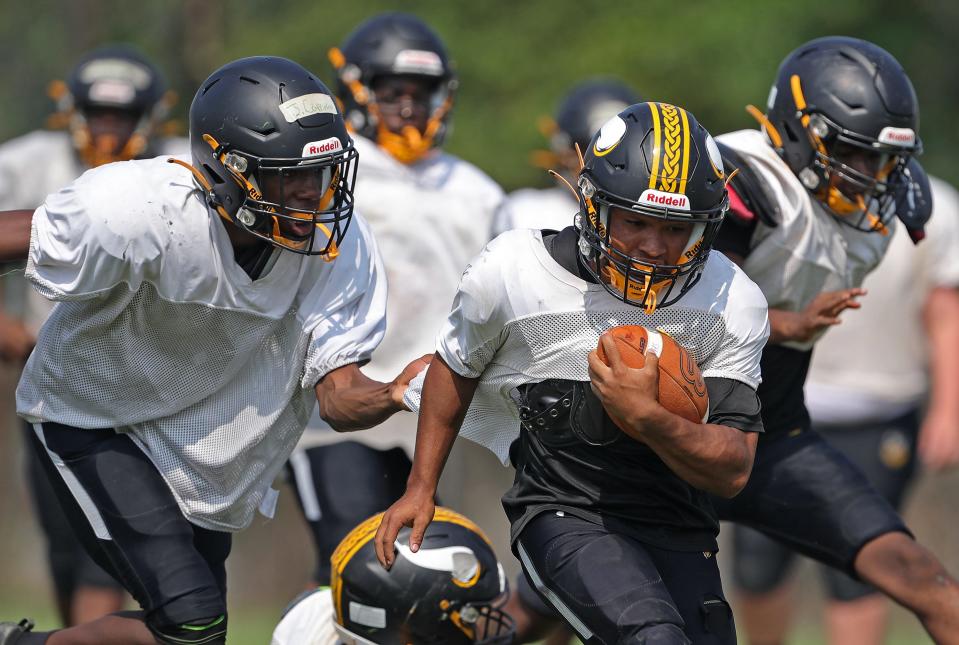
(939, 438)
(349, 400)
(446, 398)
(711, 457)
(14, 235)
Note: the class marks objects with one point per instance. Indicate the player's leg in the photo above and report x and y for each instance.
(339, 485)
(126, 517)
(856, 613)
(764, 589)
(808, 496)
(604, 585)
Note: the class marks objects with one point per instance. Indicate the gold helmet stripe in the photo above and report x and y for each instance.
(657, 144)
(353, 542)
(685, 171)
(672, 147)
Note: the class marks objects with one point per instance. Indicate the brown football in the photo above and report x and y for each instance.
(681, 386)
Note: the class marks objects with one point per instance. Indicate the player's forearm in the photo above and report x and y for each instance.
(941, 318)
(356, 404)
(446, 398)
(713, 458)
(14, 235)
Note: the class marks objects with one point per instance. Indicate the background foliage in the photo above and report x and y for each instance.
(515, 58)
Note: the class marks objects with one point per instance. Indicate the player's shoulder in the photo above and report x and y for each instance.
(740, 300)
(308, 619)
(36, 145)
(467, 176)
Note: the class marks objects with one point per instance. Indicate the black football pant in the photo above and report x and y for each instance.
(808, 496)
(611, 588)
(123, 512)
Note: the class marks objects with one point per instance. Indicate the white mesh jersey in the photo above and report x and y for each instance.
(547, 208)
(874, 365)
(159, 333)
(809, 251)
(430, 218)
(308, 622)
(33, 166)
(519, 317)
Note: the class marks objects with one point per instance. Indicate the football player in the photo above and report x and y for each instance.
(112, 105)
(814, 208)
(449, 591)
(609, 521)
(867, 404)
(586, 107)
(205, 305)
(431, 212)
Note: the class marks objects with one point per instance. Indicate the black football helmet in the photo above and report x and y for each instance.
(394, 44)
(448, 592)
(844, 116)
(272, 154)
(656, 160)
(113, 78)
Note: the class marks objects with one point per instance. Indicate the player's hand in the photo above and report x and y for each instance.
(628, 394)
(402, 381)
(414, 509)
(16, 341)
(939, 440)
(824, 312)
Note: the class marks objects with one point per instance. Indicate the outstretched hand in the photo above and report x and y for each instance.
(819, 314)
(413, 509)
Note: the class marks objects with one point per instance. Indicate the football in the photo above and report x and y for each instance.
(682, 390)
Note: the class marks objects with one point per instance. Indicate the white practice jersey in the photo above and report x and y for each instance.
(35, 165)
(519, 317)
(308, 622)
(809, 251)
(543, 209)
(160, 334)
(430, 219)
(874, 365)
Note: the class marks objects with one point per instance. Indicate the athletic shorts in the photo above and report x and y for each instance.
(885, 453)
(808, 496)
(341, 484)
(611, 588)
(70, 566)
(127, 519)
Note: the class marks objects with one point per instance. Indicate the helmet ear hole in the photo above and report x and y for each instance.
(212, 174)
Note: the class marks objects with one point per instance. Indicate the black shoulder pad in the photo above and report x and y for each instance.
(749, 187)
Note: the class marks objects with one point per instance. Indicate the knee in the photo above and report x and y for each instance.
(208, 631)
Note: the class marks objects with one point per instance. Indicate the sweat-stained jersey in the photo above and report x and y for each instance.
(160, 334)
(809, 251)
(430, 218)
(519, 317)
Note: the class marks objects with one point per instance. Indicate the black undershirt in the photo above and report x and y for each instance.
(624, 485)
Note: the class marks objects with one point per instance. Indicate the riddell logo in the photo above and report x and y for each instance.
(660, 198)
(898, 136)
(324, 147)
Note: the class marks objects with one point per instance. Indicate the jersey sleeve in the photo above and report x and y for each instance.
(734, 404)
(84, 243)
(473, 331)
(347, 317)
(747, 330)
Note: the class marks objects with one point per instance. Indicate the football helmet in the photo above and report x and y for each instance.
(656, 160)
(449, 592)
(115, 79)
(272, 154)
(844, 116)
(585, 108)
(391, 45)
